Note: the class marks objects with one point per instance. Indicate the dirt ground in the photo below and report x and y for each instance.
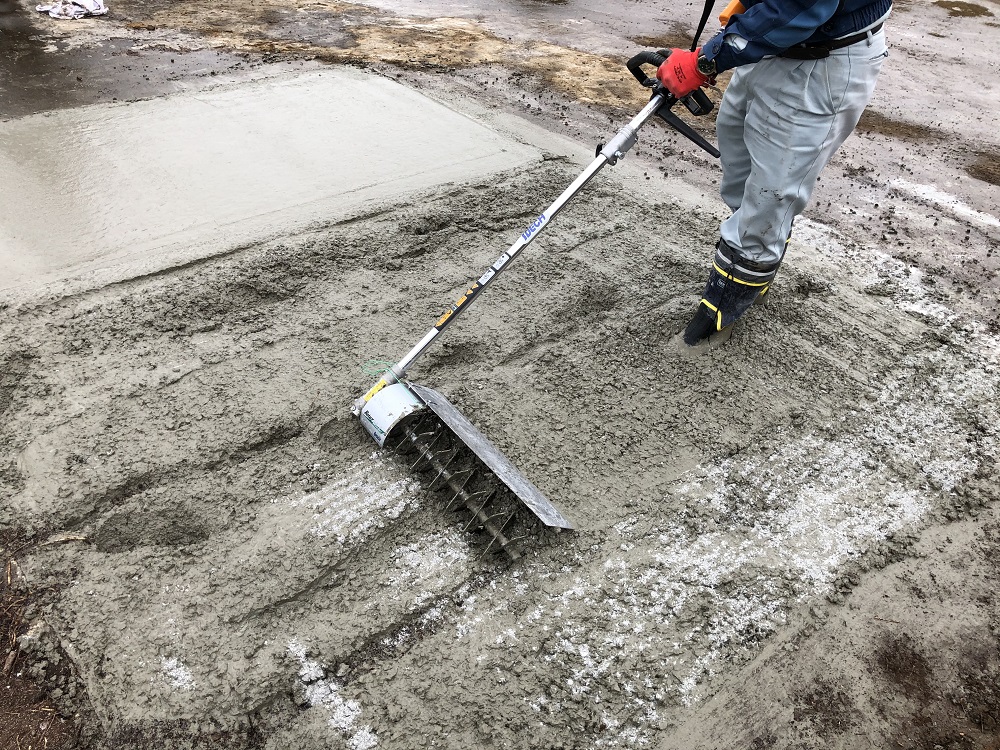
(790, 542)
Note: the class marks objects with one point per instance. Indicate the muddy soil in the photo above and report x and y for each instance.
(787, 542)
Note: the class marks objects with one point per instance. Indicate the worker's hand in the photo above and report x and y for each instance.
(680, 72)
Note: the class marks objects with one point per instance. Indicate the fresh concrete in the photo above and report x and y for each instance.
(158, 182)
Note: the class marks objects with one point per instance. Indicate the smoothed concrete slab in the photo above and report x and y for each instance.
(152, 183)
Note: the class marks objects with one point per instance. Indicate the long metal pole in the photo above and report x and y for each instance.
(616, 148)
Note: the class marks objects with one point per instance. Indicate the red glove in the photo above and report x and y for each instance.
(680, 72)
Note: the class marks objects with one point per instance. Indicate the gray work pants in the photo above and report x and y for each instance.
(780, 122)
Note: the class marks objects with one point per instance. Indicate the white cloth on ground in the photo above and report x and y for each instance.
(69, 9)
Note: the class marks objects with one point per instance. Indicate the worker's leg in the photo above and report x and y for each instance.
(797, 114)
(729, 125)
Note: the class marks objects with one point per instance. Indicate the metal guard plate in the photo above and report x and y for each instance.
(490, 455)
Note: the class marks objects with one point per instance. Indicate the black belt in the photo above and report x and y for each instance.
(819, 50)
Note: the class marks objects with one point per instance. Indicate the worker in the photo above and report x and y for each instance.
(804, 70)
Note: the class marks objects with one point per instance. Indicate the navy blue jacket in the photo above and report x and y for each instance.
(772, 26)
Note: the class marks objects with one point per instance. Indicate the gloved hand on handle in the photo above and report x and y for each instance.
(680, 73)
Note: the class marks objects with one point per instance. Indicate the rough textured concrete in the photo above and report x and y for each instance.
(789, 542)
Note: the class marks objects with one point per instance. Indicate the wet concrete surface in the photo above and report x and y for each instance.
(123, 56)
(182, 176)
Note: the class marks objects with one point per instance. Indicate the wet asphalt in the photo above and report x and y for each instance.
(40, 73)
(44, 66)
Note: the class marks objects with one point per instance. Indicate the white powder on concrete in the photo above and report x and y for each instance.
(784, 523)
(363, 739)
(324, 694)
(421, 568)
(368, 494)
(177, 673)
(946, 201)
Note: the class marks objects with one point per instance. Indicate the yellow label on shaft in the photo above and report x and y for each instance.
(375, 389)
(458, 304)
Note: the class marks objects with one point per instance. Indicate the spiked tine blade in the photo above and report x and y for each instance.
(496, 461)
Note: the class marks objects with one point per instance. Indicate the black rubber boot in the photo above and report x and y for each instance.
(734, 283)
(764, 297)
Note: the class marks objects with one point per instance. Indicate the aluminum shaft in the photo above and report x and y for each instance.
(611, 153)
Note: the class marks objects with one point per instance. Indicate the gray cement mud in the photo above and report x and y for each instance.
(250, 559)
(787, 542)
(912, 660)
